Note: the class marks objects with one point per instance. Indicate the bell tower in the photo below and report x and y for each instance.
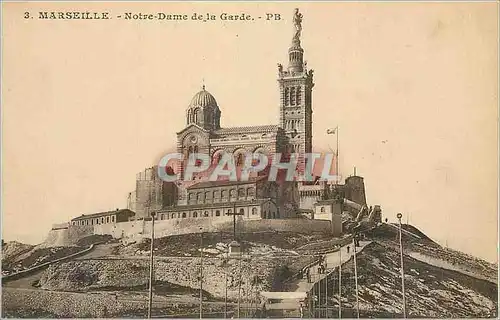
(296, 85)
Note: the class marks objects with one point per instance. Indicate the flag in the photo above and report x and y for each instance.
(332, 131)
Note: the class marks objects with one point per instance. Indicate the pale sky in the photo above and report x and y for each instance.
(88, 104)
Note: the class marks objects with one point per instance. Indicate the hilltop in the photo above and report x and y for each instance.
(440, 281)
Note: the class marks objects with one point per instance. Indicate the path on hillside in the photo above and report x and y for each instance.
(100, 250)
(443, 264)
(437, 262)
(332, 261)
(395, 226)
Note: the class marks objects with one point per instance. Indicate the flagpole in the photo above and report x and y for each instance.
(337, 157)
(336, 131)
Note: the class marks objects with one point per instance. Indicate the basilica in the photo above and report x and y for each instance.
(190, 203)
(205, 133)
(257, 198)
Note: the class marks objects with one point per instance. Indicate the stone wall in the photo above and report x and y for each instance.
(67, 237)
(288, 225)
(163, 228)
(141, 228)
(57, 226)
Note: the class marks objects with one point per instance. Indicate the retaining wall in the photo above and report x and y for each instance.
(66, 237)
(163, 228)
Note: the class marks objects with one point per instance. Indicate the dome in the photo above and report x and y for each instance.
(203, 99)
(204, 111)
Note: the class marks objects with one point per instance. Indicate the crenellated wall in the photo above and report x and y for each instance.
(310, 194)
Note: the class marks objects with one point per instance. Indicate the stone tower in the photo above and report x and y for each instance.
(296, 85)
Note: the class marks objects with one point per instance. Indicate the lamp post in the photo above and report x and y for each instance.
(151, 265)
(340, 281)
(201, 273)
(225, 288)
(399, 216)
(355, 242)
(239, 284)
(326, 289)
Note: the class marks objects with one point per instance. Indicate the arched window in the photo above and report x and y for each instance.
(217, 213)
(208, 118)
(242, 211)
(183, 214)
(206, 214)
(299, 98)
(207, 195)
(224, 193)
(199, 196)
(322, 209)
(195, 149)
(215, 195)
(196, 115)
(217, 158)
(189, 115)
(190, 151)
(195, 214)
(254, 211)
(292, 96)
(233, 193)
(287, 96)
(239, 160)
(241, 192)
(173, 215)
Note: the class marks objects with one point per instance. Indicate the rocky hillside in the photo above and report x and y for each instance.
(21, 257)
(181, 275)
(426, 250)
(12, 249)
(439, 282)
(177, 265)
(430, 291)
(18, 256)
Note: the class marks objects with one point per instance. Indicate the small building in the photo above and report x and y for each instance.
(118, 215)
(330, 210)
(234, 249)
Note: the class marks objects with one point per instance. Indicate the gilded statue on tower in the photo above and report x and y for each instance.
(297, 22)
